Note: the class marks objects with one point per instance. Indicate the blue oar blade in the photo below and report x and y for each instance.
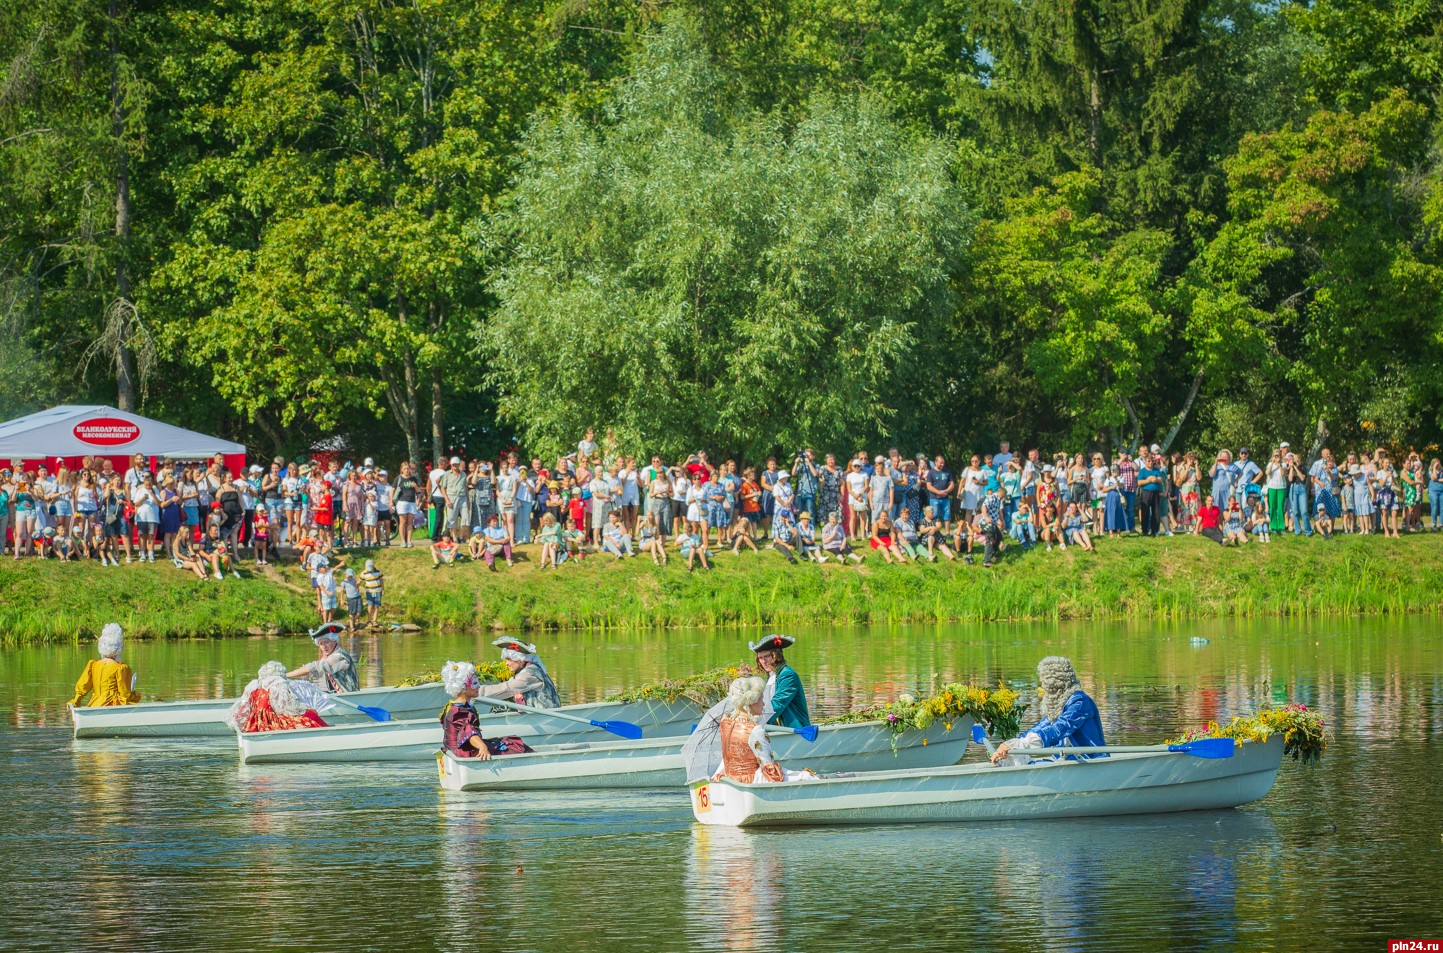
(1206, 748)
(623, 728)
(379, 714)
(809, 732)
(979, 734)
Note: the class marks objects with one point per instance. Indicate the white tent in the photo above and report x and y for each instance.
(75, 431)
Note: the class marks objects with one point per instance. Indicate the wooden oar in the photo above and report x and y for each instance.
(377, 714)
(623, 728)
(1203, 748)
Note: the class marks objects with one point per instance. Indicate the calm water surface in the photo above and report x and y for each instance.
(172, 846)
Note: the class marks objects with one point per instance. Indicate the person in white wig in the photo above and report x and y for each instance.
(107, 680)
(746, 754)
(529, 683)
(272, 702)
(460, 725)
(1069, 715)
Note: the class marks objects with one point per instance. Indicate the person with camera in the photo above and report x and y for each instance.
(806, 477)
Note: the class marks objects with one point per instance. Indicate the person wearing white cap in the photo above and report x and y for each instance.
(529, 684)
(107, 680)
(335, 670)
(783, 700)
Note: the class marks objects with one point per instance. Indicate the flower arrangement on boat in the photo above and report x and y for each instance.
(998, 710)
(705, 688)
(493, 671)
(1305, 733)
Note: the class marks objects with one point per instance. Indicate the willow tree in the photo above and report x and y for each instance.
(693, 274)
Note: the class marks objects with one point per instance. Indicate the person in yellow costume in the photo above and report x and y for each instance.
(107, 680)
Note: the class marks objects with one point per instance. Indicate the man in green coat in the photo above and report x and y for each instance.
(783, 701)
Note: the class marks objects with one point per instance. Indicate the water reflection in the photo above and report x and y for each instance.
(733, 882)
(171, 844)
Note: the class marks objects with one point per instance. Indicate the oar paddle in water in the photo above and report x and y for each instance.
(1203, 748)
(376, 714)
(623, 728)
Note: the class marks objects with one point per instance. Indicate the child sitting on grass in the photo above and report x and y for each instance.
(550, 538)
(651, 540)
(694, 550)
(742, 536)
(1023, 529)
(443, 551)
(573, 540)
(1259, 523)
(807, 539)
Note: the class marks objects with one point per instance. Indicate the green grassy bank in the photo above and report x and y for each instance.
(1128, 579)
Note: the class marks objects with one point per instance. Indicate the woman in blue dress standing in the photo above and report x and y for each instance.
(1114, 516)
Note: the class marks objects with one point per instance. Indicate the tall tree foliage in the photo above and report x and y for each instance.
(327, 266)
(694, 274)
(73, 121)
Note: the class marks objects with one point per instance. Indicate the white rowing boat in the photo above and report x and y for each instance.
(659, 763)
(1148, 783)
(419, 739)
(207, 718)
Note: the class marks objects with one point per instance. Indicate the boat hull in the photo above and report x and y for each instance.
(1152, 783)
(659, 763)
(192, 719)
(419, 739)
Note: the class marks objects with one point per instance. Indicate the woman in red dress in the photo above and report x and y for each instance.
(272, 702)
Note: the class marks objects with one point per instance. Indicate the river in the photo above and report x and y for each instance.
(114, 845)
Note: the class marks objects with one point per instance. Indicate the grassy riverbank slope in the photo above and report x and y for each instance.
(1127, 579)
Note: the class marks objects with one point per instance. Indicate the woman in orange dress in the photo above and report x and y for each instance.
(746, 755)
(107, 680)
(272, 702)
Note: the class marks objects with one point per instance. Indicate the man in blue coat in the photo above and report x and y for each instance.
(1069, 715)
(783, 701)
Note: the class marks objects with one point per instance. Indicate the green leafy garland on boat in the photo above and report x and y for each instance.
(998, 710)
(1305, 734)
(494, 671)
(705, 688)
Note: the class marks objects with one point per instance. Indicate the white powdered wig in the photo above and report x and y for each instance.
(1059, 683)
(458, 676)
(110, 640)
(271, 669)
(745, 692)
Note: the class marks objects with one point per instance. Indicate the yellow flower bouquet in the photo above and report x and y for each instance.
(1305, 733)
(997, 709)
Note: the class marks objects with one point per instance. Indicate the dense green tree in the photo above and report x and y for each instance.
(73, 121)
(326, 265)
(1330, 258)
(696, 276)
